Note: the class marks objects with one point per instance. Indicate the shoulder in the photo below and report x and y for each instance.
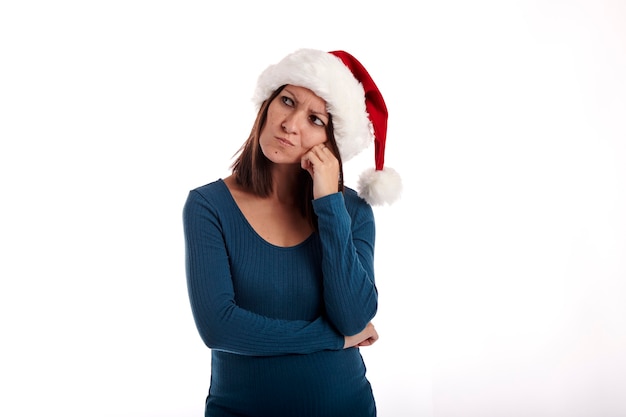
(213, 191)
(353, 199)
(211, 188)
(212, 196)
(356, 206)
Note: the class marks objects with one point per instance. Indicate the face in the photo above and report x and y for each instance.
(296, 121)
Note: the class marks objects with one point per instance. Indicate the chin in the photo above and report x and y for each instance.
(279, 156)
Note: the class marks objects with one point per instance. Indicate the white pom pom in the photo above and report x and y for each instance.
(380, 187)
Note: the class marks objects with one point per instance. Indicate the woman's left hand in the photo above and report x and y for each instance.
(323, 166)
(366, 337)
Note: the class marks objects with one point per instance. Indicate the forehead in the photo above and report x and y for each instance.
(303, 94)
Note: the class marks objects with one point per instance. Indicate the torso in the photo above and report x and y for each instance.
(277, 223)
(285, 284)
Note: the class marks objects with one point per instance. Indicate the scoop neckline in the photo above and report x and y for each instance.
(252, 229)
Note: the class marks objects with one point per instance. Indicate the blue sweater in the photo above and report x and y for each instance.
(275, 317)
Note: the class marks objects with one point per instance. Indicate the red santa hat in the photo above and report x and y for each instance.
(357, 107)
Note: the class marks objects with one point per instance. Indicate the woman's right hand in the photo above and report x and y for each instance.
(366, 337)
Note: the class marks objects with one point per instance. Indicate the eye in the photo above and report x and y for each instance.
(316, 121)
(287, 100)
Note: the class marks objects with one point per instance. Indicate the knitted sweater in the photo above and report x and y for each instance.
(275, 317)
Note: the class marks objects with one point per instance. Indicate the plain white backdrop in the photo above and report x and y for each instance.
(502, 271)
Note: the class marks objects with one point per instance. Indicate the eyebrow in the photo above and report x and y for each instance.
(323, 113)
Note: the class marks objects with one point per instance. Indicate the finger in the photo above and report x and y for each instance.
(314, 156)
(367, 342)
(321, 150)
(306, 165)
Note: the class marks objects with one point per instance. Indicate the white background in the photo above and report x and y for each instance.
(502, 271)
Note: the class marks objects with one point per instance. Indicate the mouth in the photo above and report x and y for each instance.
(284, 141)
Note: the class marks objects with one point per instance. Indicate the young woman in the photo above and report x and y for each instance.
(280, 255)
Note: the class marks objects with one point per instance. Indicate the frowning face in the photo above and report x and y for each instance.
(296, 121)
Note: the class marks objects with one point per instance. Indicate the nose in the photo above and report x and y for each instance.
(287, 129)
(291, 123)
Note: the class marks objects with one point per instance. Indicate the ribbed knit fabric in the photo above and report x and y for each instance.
(274, 317)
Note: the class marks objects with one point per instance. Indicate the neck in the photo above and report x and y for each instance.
(285, 181)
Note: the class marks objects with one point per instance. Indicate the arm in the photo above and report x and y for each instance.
(220, 322)
(350, 294)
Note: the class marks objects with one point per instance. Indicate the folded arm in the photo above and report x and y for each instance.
(221, 323)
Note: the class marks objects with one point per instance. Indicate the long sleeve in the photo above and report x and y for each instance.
(347, 237)
(222, 324)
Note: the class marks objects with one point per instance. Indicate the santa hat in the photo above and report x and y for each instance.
(357, 107)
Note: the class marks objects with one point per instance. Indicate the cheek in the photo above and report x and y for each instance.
(314, 138)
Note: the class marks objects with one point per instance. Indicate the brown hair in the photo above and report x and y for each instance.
(252, 169)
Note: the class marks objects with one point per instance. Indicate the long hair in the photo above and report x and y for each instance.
(252, 169)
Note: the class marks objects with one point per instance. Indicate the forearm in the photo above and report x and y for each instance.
(229, 328)
(350, 294)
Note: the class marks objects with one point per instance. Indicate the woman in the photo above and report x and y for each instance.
(280, 255)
